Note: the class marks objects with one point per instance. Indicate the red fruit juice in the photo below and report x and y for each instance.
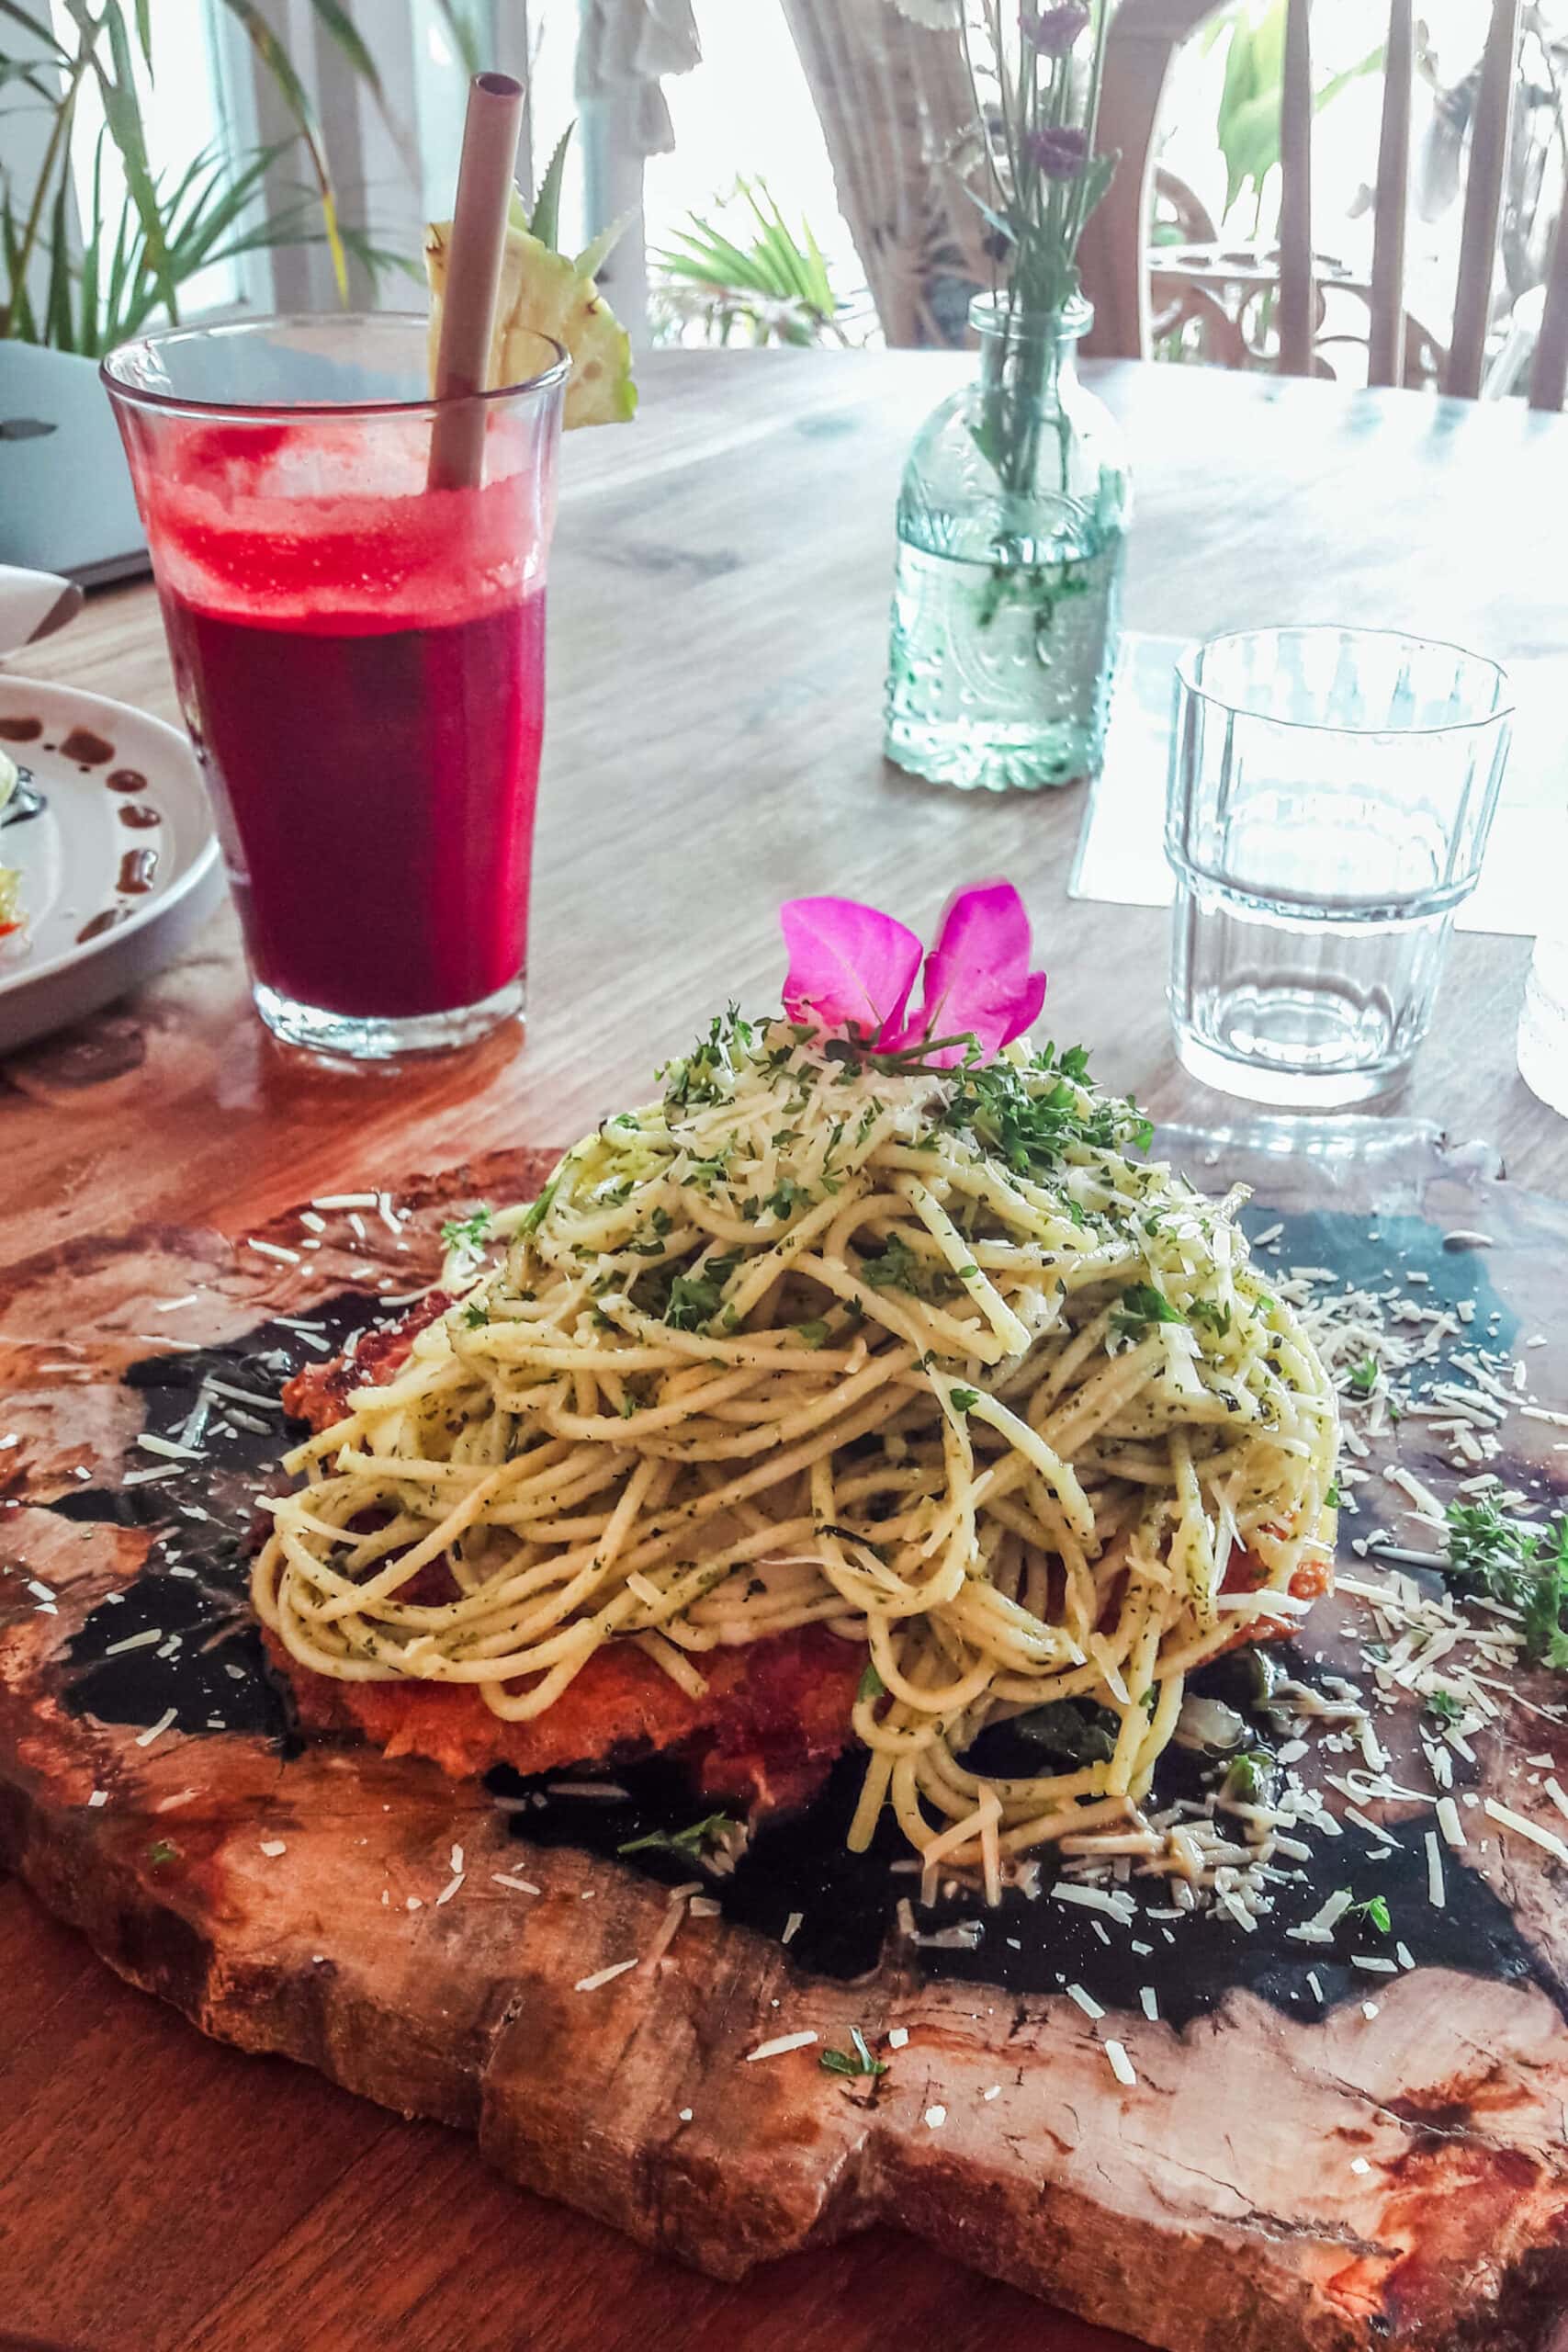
(363, 676)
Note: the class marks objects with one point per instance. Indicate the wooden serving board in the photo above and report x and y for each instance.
(1283, 2173)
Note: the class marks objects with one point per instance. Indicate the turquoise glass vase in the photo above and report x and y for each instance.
(1012, 523)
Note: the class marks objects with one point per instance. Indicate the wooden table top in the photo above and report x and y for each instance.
(718, 629)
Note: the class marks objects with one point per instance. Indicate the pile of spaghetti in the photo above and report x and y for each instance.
(932, 1356)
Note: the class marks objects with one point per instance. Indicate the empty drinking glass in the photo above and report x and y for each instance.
(1331, 791)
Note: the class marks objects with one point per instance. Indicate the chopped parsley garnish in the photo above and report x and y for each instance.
(1331, 1494)
(659, 1226)
(963, 1400)
(897, 1267)
(785, 1197)
(848, 1535)
(1376, 1911)
(541, 1207)
(694, 1300)
(706, 1074)
(1213, 1311)
(164, 1851)
(698, 1838)
(1075, 1729)
(872, 1686)
(815, 1334)
(704, 1174)
(1444, 1705)
(857, 2062)
(476, 1313)
(1012, 1111)
(1364, 1379)
(1523, 1568)
(1250, 1778)
(1140, 1309)
(467, 1232)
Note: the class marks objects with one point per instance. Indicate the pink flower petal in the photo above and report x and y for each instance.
(978, 982)
(847, 963)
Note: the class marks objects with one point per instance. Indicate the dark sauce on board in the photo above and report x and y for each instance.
(195, 1583)
(20, 730)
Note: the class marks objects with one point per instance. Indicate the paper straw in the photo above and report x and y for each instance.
(473, 278)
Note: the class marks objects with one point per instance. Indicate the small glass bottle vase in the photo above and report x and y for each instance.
(1012, 523)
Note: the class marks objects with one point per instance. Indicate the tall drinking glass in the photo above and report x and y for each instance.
(359, 657)
(1331, 791)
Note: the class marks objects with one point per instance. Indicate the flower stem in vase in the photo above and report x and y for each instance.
(1015, 500)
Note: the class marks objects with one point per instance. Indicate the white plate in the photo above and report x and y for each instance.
(87, 935)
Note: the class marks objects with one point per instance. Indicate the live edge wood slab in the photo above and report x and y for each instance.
(1282, 2176)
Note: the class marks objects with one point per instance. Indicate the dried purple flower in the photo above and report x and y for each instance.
(1054, 30)
(1060, 152)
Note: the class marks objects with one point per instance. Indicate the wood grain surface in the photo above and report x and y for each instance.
(718, 629)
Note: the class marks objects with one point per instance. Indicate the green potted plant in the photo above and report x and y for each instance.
(70, 290)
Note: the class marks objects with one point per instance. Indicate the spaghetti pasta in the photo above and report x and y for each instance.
(934, 1357)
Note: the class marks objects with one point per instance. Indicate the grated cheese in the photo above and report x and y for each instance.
(1319, 1929)
(156, 1731)
(604, 1975)
(1436, 1889)
(1121, 2064)
(1120, 1907)
(1544, 1838)
(520, 1886)
(168, 1449)
(776, 2048)
(1086, 2001)
(935, 2116)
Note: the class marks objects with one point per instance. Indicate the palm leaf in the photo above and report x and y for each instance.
(280, 65)
(59, 323)
(17, 69)
(38, 27)
(11, 240)
(346, 34)
(122, 113)
(92, 249)
(464, 34)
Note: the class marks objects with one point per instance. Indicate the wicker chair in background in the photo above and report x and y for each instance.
(894, 102)
(1145, 37)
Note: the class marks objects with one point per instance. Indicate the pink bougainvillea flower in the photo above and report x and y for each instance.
(851, 966)
(978, 983)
